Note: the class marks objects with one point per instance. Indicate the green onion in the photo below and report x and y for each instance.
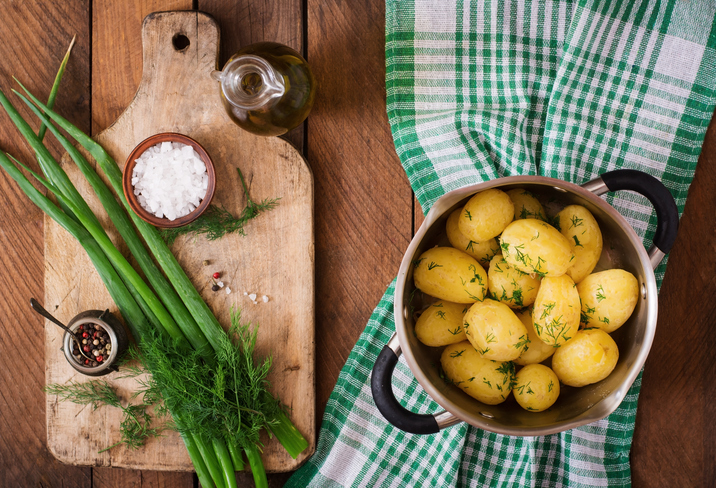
(133, 316)
(56, 86)
(202, 471)
(289, 436)
(116, 258)
(217, 462)
(166, 260)
(131, 312)
(235, 456)
(257, 467)
(124, 226)
(212, 463)
(54, 173)
(222, 454)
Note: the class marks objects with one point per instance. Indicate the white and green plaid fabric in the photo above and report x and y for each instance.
(484, 89)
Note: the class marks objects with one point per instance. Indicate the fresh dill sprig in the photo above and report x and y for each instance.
(136, 425)
(216, 221)
(95, 393)
(229, 400)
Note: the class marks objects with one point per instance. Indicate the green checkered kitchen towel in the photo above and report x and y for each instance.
(484, 89)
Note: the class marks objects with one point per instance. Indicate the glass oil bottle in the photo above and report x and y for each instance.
(267, 88)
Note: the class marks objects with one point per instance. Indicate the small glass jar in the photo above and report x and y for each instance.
(117, 337)
(267, 88)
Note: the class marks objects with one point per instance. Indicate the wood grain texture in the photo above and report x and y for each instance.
(675, 433)
(245, 22)
(675, 436)
(116, 53)
(116, 71)
(131, 478)
(363, 200)
(275, 258)
(36, 36)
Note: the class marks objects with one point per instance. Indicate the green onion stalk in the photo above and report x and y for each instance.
(282, 427)
(136, 320)
(84, 225)
(70, 197)
(121, 220)
(178, 312)
(136, 310)
(133, 315)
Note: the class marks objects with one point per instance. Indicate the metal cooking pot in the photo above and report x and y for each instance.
(575, 406)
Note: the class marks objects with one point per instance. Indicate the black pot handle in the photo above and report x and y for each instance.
(388, 405)
(667, 214)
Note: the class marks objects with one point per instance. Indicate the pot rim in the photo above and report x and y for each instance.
(597, 411)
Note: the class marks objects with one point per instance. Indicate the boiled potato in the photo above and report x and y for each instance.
(578, 225)
(536, 387)
(486, 215)
(537, 351)
(495, 331)
(511, 286)
(589, 357)
(487, 381)
(608, 298)
(441, 324)
(556, 311)
(449, 274)
(533, 246)
(526, 205)
(482, 251)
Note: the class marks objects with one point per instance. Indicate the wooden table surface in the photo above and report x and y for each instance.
(365, 216)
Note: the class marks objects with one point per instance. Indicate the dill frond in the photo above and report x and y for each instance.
(229, 400)
(216, 221)
(95, 393)
(136, 425)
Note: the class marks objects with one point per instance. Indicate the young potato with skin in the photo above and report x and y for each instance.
(482, 251)
(588, 358)
(556, 311)
(511, 286)
(486, 215)
(537, 351)
(533, 246)
(578, 225)
(608, 299)
(487, 381)
(495, 331)
(536, 387)
(526, 205)
(441, 324)
(449, 274)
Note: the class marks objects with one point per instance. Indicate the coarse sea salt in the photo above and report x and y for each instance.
(170, 180)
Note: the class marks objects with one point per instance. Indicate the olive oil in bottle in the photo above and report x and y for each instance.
(267, 88)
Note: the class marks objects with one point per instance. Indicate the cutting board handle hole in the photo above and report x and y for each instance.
(180, 42)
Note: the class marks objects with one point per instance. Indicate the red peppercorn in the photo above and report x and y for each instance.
(216, 276)
(86, 361)
(85, 335)
(99, 359)
(82, 327)
(86, 349)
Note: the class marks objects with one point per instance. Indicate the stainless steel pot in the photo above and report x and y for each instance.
(576, 406)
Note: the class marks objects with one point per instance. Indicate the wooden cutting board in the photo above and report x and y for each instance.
(275, 258)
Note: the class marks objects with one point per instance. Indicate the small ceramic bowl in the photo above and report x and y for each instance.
(117, 337)
(129, 188)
